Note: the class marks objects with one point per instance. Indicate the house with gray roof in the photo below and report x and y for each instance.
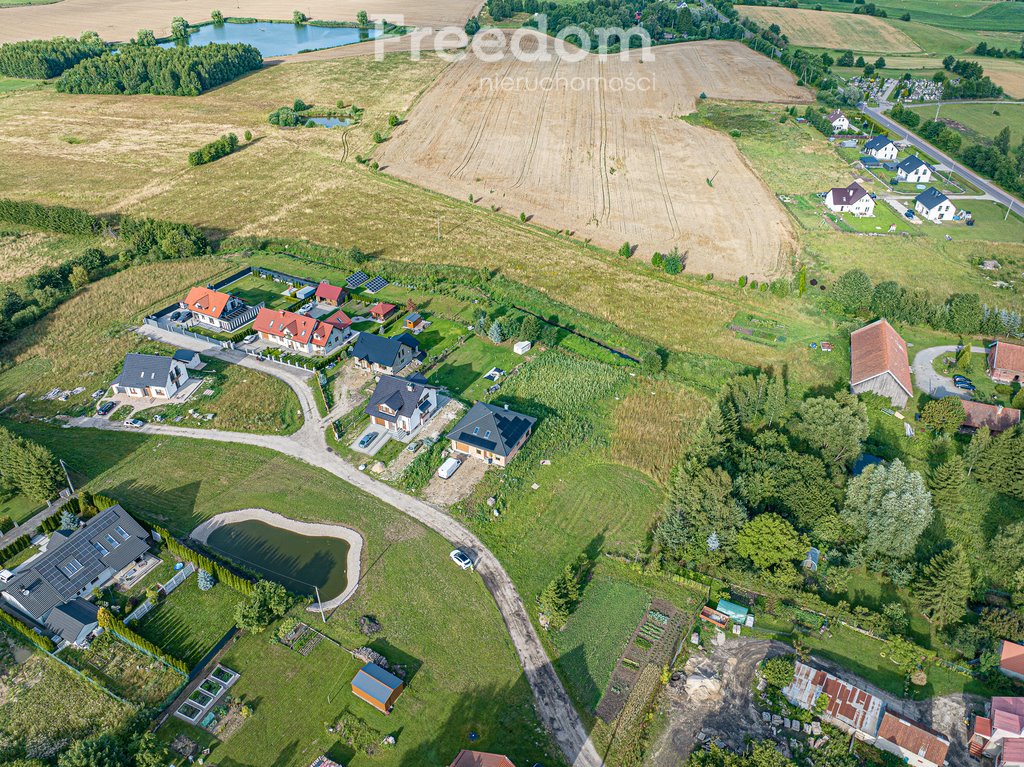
(151, 375)
(914, 170)
(881, 148)
(491, 433)
(402, 404)
(383, 355)
(934, 205)
(51, 588)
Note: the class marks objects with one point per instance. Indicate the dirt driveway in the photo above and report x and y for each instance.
(349, 388)
(437, 425)
(445, 492)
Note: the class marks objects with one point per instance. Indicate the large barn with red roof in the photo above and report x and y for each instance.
(879, 364)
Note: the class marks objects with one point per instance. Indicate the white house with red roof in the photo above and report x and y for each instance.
(1000, 735)
(1006, 362)
(220, 311)
(915, 744)
(996, 418)
(297, 332)
(879, 364)
(850, 199)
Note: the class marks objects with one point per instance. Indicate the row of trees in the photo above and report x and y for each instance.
(44, 59)
(222, 147)
(28, 468)
(203, 562)
(40, 641)
(180, 71)
(109, 622)
(972, 83)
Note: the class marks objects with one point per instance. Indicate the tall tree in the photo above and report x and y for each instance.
(944, 587)
(944, 415)
(772, 545)
(890, 507)
(834, 426)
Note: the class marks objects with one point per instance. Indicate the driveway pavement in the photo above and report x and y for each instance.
(929, 381)
(308, 444)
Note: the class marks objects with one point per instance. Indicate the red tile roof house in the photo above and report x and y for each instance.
(1012, 754)
(480, 759)
(878, 363)
(297, 332)
(329, 294)
(220, 311)
(917, 745)
(1011, 660)
(850, 199)
(1006, 362)
(849, 708)
(382, 311)
(996, 417)
(1005, 724)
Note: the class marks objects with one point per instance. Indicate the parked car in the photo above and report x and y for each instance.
(414, 446)
(250, 338)
(965, 385)
(98, 394)
(106, 407)
(962, 379)
(448, 468)
(461, 558)
(909, 214)
(368, 439)
(134, 423)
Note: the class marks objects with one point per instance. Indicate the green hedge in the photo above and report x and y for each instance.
(40, 641)
(108, 622)
(16, 546)
(53, 218)
(203, 562)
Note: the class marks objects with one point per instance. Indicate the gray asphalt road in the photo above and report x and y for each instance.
(308, 444)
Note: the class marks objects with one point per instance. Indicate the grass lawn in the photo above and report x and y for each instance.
(26, 250)
(254, 289)
(979, 123)
(986, 387)
(591, 642)
(19, 508)
(462, 371)
(243, 400)
(189, 622)
(408, 583)
(45, 705)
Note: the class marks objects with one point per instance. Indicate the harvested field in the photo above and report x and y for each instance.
(585, 153)
(1006, 73)
(117, 20)
(825, 29)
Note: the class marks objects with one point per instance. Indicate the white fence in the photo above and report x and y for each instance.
(266, 358)
(179, 578)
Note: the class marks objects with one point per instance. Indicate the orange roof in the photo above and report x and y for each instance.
(876, 349)
(480, 759)
(996, 417)
(299, 328)
(1008, 357)
(1012, 657)
(340, 320)
(382, 309)
(914, 737)
(208, 302)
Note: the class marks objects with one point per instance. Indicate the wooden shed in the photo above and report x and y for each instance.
(377, 687)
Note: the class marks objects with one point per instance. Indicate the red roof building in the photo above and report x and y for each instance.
(849, 707)
(297, 332)
(340, 320)
(1011, 660)
(468, 758)
(879, 364)
(1012, 754)
(1006, 362)
(330, 294)
(382, 311)
(1005, 725)
(995, 417)
(916, 744)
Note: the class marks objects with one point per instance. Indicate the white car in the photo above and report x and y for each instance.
(134, 423)
(448, 468)
(461, 558)
(250, 338)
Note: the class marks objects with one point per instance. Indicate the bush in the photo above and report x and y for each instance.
(44, 59)
(53, 218)
(778, 672)
(205, 580)
(222, 147)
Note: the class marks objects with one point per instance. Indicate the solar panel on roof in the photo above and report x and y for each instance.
(357, 279)
(377, 283)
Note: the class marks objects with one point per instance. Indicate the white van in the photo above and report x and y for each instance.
(448, 468)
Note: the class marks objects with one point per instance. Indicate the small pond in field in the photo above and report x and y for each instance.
(329, 122)
(279, 39)
(298, 562)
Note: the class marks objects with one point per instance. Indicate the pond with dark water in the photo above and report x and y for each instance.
(298, 562)
(279, 39)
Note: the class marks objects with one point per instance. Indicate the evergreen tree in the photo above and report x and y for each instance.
(890, 507)
(976, 448)
(68, 521)
(853, 291)
(776, 402)
(944, 587)
(495, 333)
(944, 415)
(834, 426)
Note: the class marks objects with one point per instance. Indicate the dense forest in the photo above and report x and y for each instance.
(43, 59)
(181, 71)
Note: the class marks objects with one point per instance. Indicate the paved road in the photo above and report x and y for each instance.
(308, 445)
(927, 380)
(32, 524)
(984, 185)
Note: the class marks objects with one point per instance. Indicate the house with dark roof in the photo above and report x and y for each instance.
(377, 687)
(840, 122)
(217, 310)
(850, 199)
(381, 354)
(914, 170)
(1011, 659)
(1005, 362)
(915, 744)
(879, 364)
(298, 332)
(881, 148)
(188, 358)
(52, 587)
(329, 294)
(490, 433)
(150, 375)
(995, 418)
(402, 404)
(467, 758)
(934, 205)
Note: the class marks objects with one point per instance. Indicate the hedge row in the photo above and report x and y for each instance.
(109, 622)
(203, 562)
(40, 641)
(222, 147)
(16, 546)
(53, 218)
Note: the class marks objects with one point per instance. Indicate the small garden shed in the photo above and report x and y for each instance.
(377, 687)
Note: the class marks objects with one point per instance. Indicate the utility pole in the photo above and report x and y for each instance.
(320, 604)
(67, 476)
(1008, 209)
